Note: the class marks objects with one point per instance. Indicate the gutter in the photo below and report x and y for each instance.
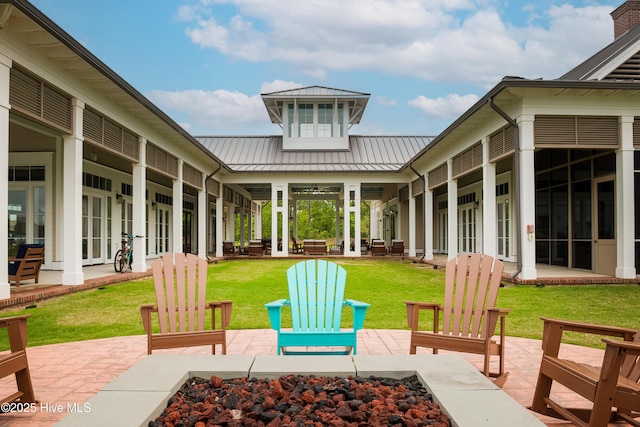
(516, 181)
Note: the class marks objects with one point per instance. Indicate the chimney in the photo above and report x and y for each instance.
(625, 17)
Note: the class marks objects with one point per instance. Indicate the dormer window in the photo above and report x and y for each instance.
(315, 121)
(315, 117)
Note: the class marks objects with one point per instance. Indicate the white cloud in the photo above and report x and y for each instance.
(220, 110)
(387, 102)
(448, 107)
(438, 40)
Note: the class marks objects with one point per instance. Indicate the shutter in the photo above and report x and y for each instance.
(576, 131)
(38, 100)
(438, 176)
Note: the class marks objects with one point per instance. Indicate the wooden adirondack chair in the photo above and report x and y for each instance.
(15, 362)
(316, 299)
(469, 314)
(181, 290)
(613, 388)
(26, 264)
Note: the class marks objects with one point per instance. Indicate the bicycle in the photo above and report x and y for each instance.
(124, 257)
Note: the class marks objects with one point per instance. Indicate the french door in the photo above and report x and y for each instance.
(93, 229)
(604, 254)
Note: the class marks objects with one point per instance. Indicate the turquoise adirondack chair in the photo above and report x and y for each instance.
(316, 299)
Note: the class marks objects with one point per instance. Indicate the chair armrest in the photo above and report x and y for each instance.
(554, 328)
(413, 309)
(589, 328)
(145, 312)
(493, 315)
(225, 312)
(631, 348)
(274, 309)
(359, 311)
(17, 331)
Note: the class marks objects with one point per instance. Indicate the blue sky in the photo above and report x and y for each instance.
(424, 62)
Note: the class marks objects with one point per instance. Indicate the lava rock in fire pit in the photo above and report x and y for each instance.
(299, 400)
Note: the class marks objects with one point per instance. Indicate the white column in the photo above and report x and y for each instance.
(357, 232)
(489, 221)
(258, 230)
(412, 224)
(72, 199)
(243, 217)
(527, 191)
(219, 223)
(351, 205)
(5, 68)
(139, 190)
(337, 204)
(177, 210)
(279, 206)
(625, 210)
(203, 209)
(452, 207)
(428, 220)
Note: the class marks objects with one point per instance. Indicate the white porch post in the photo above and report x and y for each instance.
(243, 230)
(279, 206)
(5, 68)
(412, 223)
(428, 220)
(219, 222)
(258, 225)
(452, 195)
(527, 191)
(203, 208)
(139, 190)
(625, 209)
(489, 221)
(337, 203)
(351, 205)
(72, 199)
(177, 209)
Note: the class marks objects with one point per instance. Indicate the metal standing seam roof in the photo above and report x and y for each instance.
(316, 91)
(590, 67)
(265, 154)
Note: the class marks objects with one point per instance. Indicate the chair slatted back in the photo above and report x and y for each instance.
(631, 365)
(181, 289)
(316, 294)
(472, 284)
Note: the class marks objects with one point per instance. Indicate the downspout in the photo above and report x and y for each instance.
(516, 181)
(424, 208)
(206, 190)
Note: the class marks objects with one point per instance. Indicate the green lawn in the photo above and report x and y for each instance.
(385, 284)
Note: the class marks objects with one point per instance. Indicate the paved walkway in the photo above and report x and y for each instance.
(71, 373)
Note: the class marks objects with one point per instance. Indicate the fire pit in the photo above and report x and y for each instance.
(293, 400)
(141, 394)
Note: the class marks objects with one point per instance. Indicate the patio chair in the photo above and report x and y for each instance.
(397, 247)
(26, 264)
(378, 248)
(296, 247)
(469, 314)
(316, 299)
(15, 362)
(612, 388)
(228, 249)
(181, 289)
(255, 247)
